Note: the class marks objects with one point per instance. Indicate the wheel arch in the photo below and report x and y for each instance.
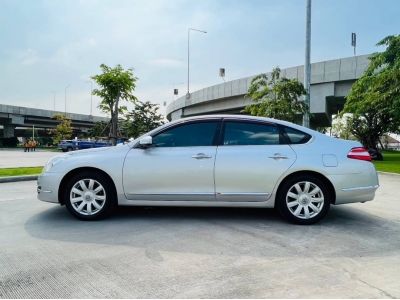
(73, 172)
(320, 176)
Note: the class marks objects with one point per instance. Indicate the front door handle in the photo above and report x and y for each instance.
(278, 156)
(201, 156)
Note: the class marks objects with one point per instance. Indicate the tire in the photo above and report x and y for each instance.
(69, 149)
(303, 200)
(89, 196)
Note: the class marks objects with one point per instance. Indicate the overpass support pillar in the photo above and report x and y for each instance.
(9, 130)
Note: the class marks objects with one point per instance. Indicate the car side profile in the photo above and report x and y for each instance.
(216, 160)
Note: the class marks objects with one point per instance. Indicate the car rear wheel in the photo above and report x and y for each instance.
(89, 196)
(303, 200)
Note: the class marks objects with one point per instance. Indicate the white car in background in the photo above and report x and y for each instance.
(216, 160)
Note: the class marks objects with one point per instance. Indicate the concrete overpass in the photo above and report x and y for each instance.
(331, 81)
(17, 116)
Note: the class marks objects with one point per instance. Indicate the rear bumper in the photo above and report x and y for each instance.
(353, 188)
(356, 194)
(47, 187)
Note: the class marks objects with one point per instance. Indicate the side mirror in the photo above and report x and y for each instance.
(146, 141)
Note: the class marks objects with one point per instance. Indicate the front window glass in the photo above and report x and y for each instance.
(188, 135)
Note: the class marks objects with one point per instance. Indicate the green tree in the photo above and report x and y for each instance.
(99, 129)
(276, 97)
(63, 130)
(143, 118)
(115, 85)
(340, 127)
(374, 99)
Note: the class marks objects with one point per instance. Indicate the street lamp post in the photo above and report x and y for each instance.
(188, 58)
(65, 99)
(91, 96)
(54, 100)
(307, 65)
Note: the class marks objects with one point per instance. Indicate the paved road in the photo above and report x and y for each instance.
(19, 158)
(199, 252)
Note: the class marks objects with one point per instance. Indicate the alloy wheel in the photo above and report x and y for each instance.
(305, 200)
(87, 197)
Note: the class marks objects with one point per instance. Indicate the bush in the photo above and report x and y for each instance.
(9, 142)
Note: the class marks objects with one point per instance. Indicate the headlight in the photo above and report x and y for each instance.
(52, 162)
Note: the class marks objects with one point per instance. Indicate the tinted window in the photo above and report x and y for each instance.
(242, 133)
(296, 136)
(188, 135)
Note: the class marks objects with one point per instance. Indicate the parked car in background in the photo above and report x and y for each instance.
(66, 145)
(217, 160)
(71, 145)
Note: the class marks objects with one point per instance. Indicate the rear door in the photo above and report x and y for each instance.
(250, 159)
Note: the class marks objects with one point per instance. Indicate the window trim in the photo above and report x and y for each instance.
(190, 122)
(248, 121)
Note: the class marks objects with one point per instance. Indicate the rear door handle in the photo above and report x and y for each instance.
(201, 156)
(278, 156)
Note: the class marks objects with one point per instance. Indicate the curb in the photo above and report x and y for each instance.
(388, 173)
(18, 178)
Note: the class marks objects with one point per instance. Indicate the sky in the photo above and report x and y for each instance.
(47, 45)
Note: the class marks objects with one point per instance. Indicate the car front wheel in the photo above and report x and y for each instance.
(304, 200)
(89, 196)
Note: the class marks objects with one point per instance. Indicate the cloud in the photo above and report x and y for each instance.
(71, 53)
(28, 57)
(167, 63)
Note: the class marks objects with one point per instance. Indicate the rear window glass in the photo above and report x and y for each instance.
(245, 133)
(295, 136)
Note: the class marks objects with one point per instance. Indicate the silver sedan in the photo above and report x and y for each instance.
(218, 160)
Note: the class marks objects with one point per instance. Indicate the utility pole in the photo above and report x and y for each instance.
(307, 66)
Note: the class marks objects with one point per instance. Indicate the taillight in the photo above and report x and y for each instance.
(359, 153)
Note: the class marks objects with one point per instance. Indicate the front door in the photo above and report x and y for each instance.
(179, 166)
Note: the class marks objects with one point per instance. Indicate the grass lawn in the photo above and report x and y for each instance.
(20, 171)
(390, 163)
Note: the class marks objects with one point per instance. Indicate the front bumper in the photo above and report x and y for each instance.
(47, 187)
